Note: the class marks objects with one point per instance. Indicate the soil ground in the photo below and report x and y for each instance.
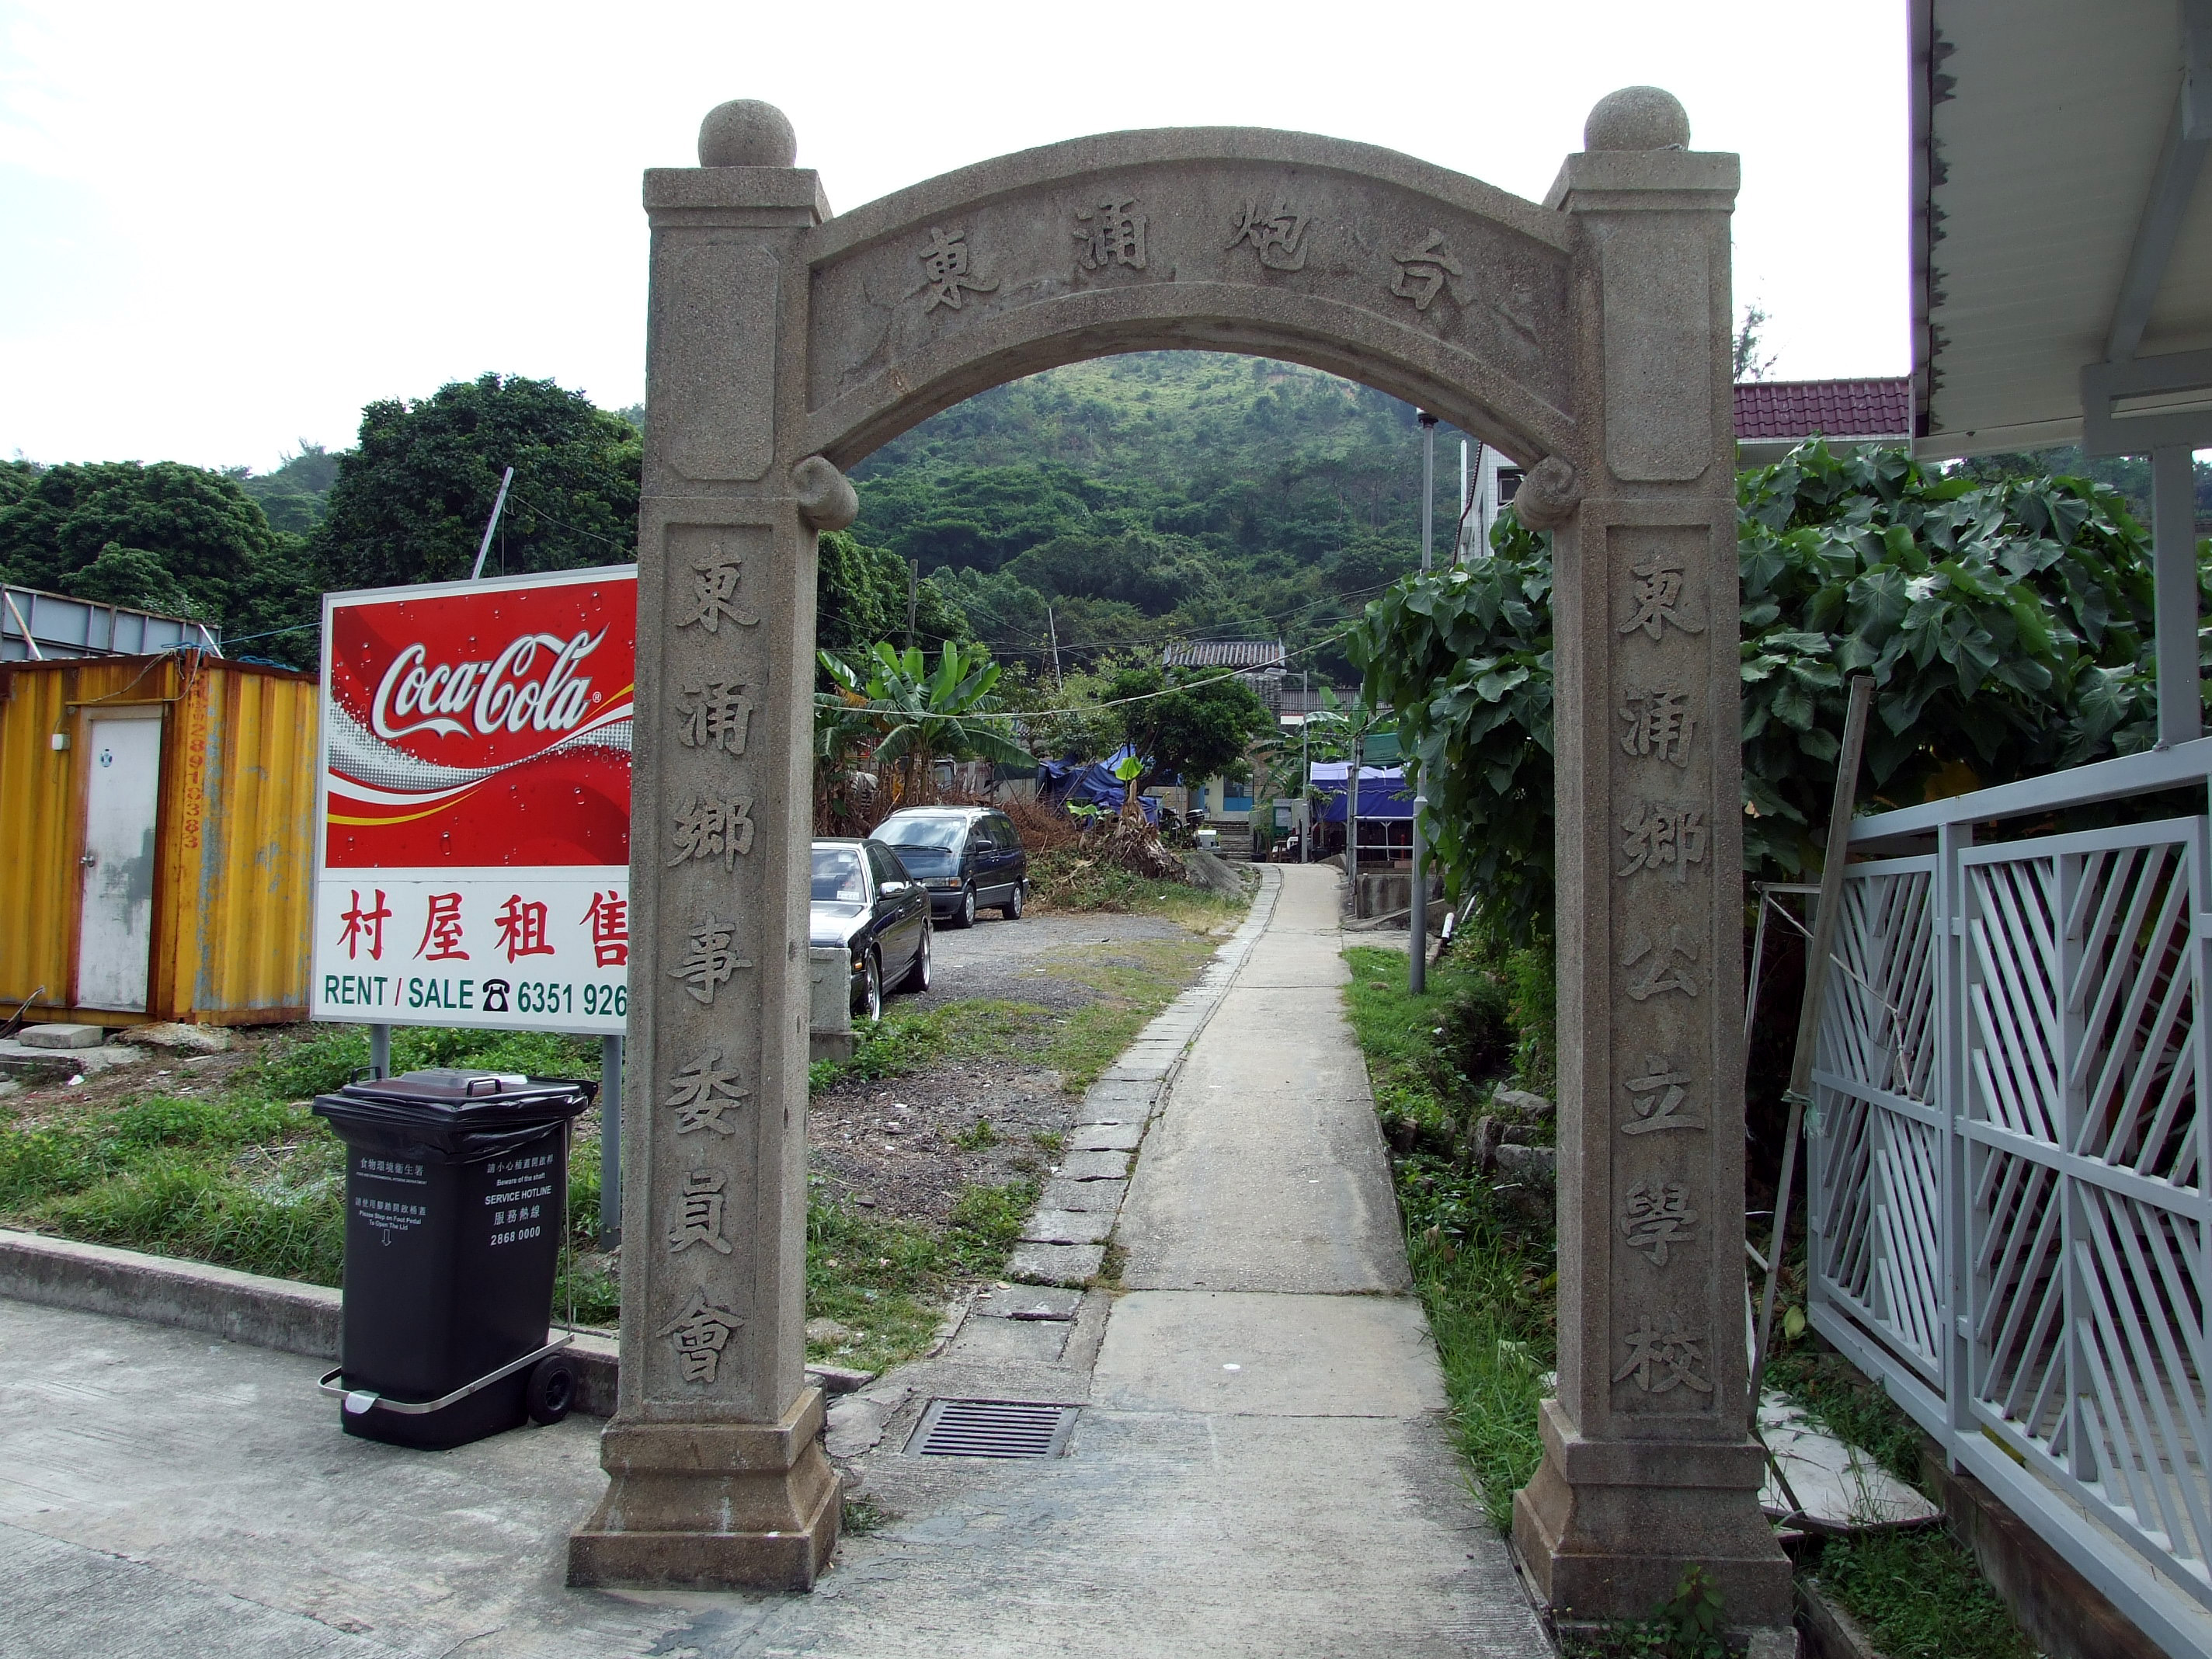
(906, 1146)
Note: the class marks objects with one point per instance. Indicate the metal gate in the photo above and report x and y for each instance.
(2008, 1211)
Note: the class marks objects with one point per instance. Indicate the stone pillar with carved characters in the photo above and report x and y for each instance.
(718, 1478)
(1648, 1467)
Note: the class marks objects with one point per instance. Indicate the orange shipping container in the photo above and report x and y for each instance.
(157, 839)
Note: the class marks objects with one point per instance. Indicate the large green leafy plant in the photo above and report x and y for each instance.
(919, 717)
(2006, 625)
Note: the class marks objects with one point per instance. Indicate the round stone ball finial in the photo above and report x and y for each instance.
(746, 133)
(1637, 118)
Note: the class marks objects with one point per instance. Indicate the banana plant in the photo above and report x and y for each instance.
(921, 717)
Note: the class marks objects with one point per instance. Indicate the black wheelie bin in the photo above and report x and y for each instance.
(455, 1183)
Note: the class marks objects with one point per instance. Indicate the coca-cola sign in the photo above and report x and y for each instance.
(492, 694)
(482, 723)
(475, 804)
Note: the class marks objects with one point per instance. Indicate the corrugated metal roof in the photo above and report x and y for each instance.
(1791, 409)
(1224, 654)
(2038, 126)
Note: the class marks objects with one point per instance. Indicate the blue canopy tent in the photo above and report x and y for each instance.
(1383, 792)
(1090, 783)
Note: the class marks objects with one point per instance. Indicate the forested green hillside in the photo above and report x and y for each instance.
(1168, 495)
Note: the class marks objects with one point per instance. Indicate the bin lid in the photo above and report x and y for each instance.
(449, 1097)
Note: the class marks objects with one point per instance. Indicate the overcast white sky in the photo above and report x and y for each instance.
(226, 225)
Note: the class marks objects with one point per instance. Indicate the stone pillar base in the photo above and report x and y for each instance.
(1607, 1528)
(711, 1506)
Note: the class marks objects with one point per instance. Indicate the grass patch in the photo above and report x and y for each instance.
(1920, 1596)
(1067, 879)
(1134, 981)
(886, 1280)
(1488, 1281)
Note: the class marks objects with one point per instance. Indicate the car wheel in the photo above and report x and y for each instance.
(965, 915)
(869, 1005)
(917, 977)
(1011, 909)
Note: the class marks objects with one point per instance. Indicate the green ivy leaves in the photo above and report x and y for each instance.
(2007, 626)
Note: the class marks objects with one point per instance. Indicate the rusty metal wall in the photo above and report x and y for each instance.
(242, 788)
(234, 888)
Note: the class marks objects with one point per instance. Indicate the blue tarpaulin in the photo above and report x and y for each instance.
(1383, 791)
(1090, 783)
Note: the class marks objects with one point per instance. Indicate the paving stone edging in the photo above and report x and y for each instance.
(1064, 1239)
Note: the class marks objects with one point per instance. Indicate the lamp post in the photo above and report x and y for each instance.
(1417, 919)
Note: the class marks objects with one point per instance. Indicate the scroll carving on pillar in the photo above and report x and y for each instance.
(710, 911)
(1662, 895)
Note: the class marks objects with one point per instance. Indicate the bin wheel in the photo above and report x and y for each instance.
(552, 1389)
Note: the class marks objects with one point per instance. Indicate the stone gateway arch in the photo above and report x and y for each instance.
(1588, 338)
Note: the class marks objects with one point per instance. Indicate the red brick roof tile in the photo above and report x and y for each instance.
(1769, 410)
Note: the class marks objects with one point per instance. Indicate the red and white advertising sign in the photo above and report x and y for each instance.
(474, 803)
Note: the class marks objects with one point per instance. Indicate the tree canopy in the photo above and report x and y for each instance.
(2006, 624)
(1186, 723)
(410, 504)
(180, 540)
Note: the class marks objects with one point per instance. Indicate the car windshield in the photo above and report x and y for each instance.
(837, 876)
(924, 832)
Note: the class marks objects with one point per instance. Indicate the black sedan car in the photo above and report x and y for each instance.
(864, 900)
(967, 856)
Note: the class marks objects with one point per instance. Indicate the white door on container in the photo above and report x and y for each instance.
(115, 924)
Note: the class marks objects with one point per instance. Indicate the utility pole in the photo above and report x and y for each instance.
(1428, 484)
(1052, 625)
(491, 524)
(1351, 823)
(913, 597)
(1305, 766)
(1417, 920)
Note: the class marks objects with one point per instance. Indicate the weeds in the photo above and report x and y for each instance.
(977, 1136)
(1920, 1596)
(886, 1280)
(1487, 1280)
(1064, 879)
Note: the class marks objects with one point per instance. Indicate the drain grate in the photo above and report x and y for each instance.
(992, 1428)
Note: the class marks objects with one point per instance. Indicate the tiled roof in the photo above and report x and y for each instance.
(1766, 410)
(1224, 654)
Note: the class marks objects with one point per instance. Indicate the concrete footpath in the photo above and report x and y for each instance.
(1258, 1465)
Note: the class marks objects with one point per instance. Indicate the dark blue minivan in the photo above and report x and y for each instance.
(966, 857)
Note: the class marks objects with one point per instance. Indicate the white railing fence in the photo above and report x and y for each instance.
(2008, 1211)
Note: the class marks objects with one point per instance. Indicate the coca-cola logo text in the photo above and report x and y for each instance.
(496, 695)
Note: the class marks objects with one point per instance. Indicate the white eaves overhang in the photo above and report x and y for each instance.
(2061, 233)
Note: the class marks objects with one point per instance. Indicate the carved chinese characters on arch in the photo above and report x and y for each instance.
(1427, 270)
(1273, 235)
(1111, 234)
(946, 272)
(890, 302)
